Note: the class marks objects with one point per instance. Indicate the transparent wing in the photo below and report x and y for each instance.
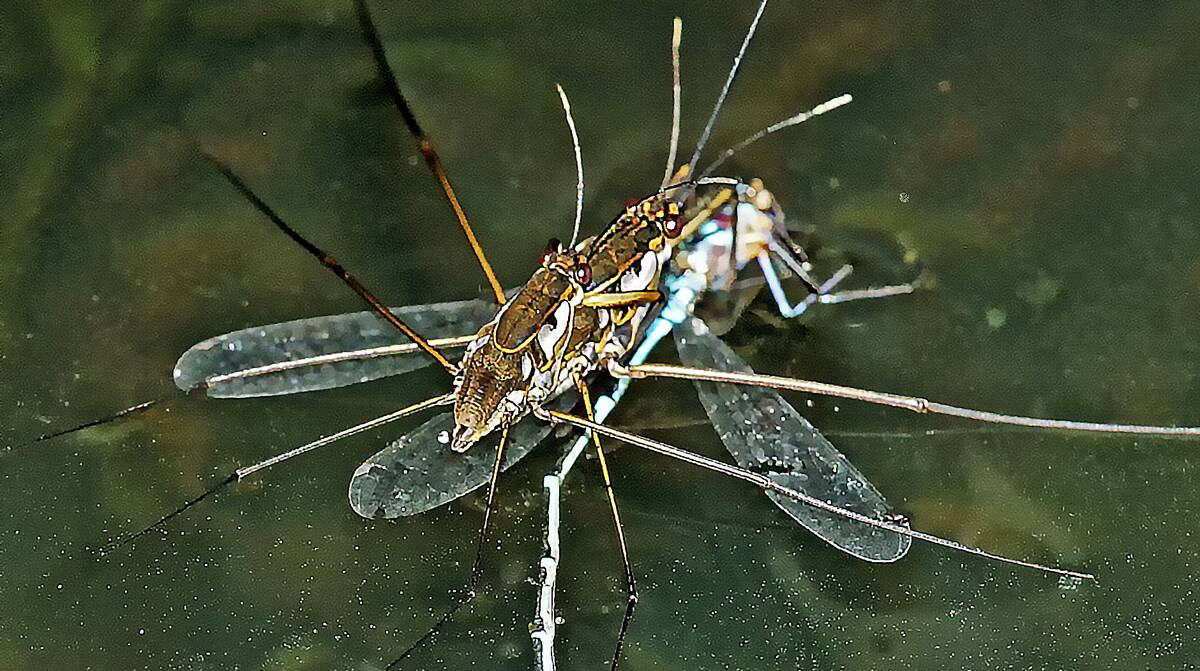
(764, 433)
(419, 472)
(322, 352)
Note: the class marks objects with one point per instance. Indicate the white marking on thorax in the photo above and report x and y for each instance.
(644, 277)
(554, 332)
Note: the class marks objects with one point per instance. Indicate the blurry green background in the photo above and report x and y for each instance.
(1038, 161)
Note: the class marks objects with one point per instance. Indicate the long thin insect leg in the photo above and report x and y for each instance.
(715, 203)
(913, 403)
(476, 566)
(216, 381)
(864, 294)
(619, 299)
(330, 263)
(770, 485)
(824, 293)
(785, 308)
(246, 471)
(131, 410)
(815, 294)
(544, 629)
(630, 582)
(791, 255)
(655, 332)
(371, 35)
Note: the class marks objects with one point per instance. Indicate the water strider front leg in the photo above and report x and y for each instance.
(621, 299)
(630, 582)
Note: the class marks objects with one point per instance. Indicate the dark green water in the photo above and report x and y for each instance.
(1039, 163)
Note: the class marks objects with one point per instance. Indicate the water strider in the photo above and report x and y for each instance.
(406, 318)
(530, 353)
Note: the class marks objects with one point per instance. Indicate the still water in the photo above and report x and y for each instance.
(1035, 165)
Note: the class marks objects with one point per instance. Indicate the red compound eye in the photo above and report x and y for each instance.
(583, 273)
(672, 226)
(550, 251)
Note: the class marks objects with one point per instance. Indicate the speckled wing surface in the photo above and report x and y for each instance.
(765, 434)
(419, 471)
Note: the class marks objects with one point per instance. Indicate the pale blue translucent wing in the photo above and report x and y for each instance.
(765, 434)
(321, 352)
(419, 471)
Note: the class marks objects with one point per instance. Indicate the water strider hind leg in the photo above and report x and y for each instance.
(468, 595)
